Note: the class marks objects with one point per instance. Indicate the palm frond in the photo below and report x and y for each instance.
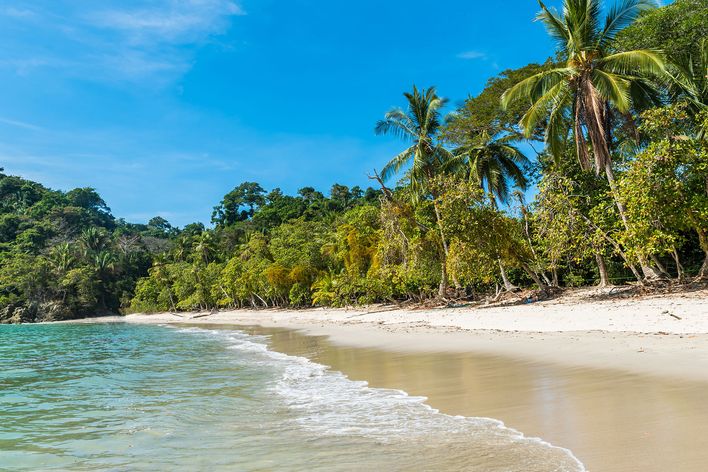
(621, 15)
(642, 62)
(540, 108)
(554, 25)
(395, 165)
(557, 127)
(513, 172)
(613, 88)
(532, 88)
(394, 127)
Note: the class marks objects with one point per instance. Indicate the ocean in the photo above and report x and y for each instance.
(125, 397)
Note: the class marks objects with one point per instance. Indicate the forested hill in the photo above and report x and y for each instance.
(618, 121)
(63, 255)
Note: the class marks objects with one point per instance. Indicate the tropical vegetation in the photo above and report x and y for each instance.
(590, 168)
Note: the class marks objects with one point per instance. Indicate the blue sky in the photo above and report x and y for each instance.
(165, 105)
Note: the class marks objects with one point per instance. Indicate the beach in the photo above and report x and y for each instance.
(619, 380)
(657, 335)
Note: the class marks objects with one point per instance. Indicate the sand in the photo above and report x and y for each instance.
(664, 335)
(613, 421)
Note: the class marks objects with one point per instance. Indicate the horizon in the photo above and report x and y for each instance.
(142, 99)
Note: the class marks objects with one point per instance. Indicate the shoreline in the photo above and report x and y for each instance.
(658, 335)
(618, 399)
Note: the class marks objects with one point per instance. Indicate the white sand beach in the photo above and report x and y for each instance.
(664, 334)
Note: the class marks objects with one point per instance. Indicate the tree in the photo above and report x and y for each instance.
(160, 225)
(666, 189)
(677, 29)
(484, 113)
(88, 199)
(492, 164)
(426, 156)
(593, 82)
(239, 204)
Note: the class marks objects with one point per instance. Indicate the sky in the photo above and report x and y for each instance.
(164, 106)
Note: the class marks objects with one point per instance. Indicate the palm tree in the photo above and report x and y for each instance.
(93, 240)
(493, 163)
(426, 156)
(62, 257)
(419, 125)
(593, 81)
(204, 248)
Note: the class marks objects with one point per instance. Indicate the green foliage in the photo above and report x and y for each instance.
(664, 191)
(63, 255)
(443, 232)
(675, 29)
(484, 113)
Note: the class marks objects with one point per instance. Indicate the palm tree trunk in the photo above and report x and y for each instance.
(446, 253)
(679, 267)
(507, 284)
(602, 268)
(648, 271)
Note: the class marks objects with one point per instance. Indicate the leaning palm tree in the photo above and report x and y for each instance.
(593, 81)
(425, 158)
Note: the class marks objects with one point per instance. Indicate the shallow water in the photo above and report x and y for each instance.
(612, 420)
(127, 397)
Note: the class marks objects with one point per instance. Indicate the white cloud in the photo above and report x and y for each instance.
(16, 12)
(174, 21)
(472, 55)
(149, 41)
(20, 124)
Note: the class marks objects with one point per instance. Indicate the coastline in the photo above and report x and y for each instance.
(663, 335)
(619, 382)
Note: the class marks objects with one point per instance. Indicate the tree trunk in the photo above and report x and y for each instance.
(679, 267)
(446, 253)
(662, 269)
(615, 245)
(507, 284)
(602, 268)
(703, 273)
(534, 276)
(556, 282)
(648, 271)
(442, 290)
(703, 240)
(173, 307)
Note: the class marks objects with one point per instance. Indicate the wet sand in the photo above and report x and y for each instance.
(612, 420)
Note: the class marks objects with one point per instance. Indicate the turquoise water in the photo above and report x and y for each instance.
(126, 397)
